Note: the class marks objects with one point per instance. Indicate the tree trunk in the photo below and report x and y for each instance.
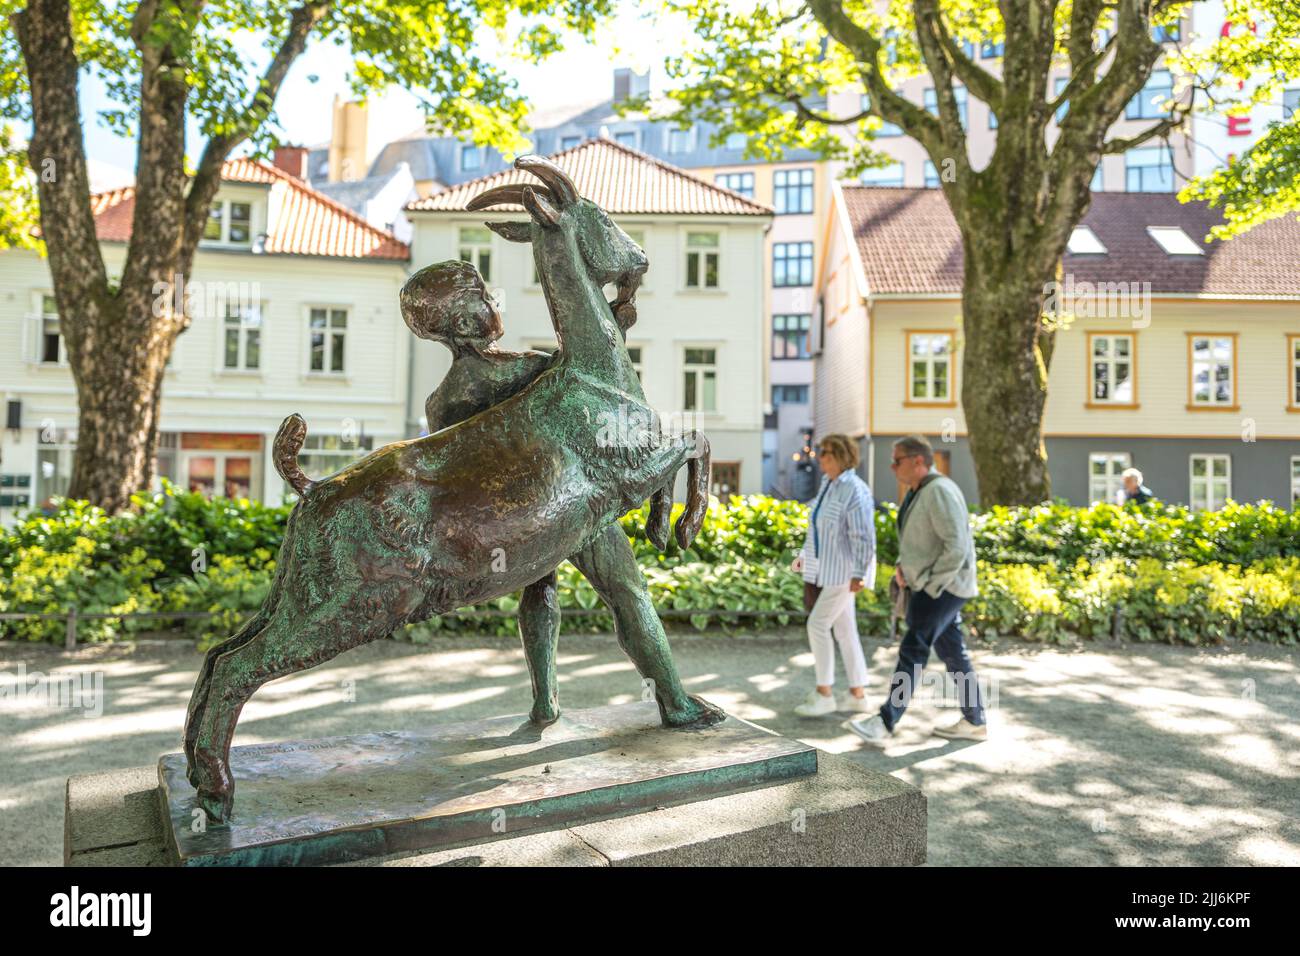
(1004, 388)
(118, 388)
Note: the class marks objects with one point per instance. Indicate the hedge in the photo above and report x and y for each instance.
(1047, 573)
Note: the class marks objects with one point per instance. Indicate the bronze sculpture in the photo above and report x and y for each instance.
(479, 509)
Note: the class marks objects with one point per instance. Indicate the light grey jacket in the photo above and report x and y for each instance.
(935, 548)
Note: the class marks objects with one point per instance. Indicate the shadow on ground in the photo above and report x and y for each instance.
(1099, 755)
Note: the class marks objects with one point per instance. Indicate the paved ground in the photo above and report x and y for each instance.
(1099, 754)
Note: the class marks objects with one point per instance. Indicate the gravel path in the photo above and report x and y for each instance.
(1099, 754)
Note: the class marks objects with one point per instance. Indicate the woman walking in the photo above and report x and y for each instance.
(838, 559)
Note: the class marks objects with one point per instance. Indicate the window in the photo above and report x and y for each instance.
(1211, 484)
(701, 381)
(886, 129)
(470, 158)
(634, 353)
(1057, 89)
(789, 395)
(1084, 242)
(1114, 373)
(1290, 103)
(742, 183)
(1148, 169)
(1293, 371)
(328, 454)
(230, 222)
(242, 337)
(989, 50)
(736, 141)
(568, 142)
(1174, 241)
(702, 259)
(329, 329)
(476, 248)
(626, 137)
(679, 140)
(793, 191)
(931, 176)
(1149, 103)
(1295, 481)
(49, 345)
(993, 119)
(930, 366)
(1104, 471)
(792, 263)
(891, 175)
(958, 92)
(1167, 34)
(790, 336)
(1212, 361)
(54, 453)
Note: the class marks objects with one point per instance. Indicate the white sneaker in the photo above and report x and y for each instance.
(871, 729)
(817, 705)
(963, 730)
(856, 705)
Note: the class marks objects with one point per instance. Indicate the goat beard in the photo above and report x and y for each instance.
(624, 305)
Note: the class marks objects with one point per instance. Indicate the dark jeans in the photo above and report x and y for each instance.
(933, 623)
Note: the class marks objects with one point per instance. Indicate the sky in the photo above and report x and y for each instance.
(582, 73)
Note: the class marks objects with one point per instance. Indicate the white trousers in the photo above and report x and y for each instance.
(833, 621)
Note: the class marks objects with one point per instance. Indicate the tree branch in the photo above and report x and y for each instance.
(1166, 126)
(983, 84)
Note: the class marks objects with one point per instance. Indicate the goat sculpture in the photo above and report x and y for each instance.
(470, 512)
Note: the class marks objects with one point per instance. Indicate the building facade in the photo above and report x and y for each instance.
(1178, 357)
(698, 340)
(293, 302)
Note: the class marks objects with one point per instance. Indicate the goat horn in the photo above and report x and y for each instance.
(558, 180)
(498, 196)
(539, 208)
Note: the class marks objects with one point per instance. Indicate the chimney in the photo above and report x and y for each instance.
(348, 142)
(292, 159)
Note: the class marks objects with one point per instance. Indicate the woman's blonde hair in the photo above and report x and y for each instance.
(842, 447)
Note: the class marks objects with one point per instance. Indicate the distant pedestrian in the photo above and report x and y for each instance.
(1133, 489)
(936, 564)
(838, 559)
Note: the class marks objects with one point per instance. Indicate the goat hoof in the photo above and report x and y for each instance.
(689, 523)
(696, 714)
(543, 714)
(216, 804)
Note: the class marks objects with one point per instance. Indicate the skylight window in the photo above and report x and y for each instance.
(1084, 242)
(1174, 241)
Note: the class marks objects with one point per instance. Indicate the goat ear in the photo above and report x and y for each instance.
(512, 231)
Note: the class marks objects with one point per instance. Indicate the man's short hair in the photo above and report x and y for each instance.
(842, 447)
(916, 445)
(1132, 473)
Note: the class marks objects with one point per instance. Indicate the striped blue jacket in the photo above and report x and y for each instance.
(841, 542)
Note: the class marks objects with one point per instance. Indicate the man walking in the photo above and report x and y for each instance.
(936, 563)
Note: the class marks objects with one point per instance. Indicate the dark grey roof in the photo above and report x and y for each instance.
(426, 156)
(357, 192)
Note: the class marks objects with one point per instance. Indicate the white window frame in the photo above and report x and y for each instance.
(635, 134)
(36, 350)
(930, 398)
(1112, 482)
(700, 368)
(636, 352)
(1213, 364)
(671, 132)
(476, 249)
(329, 308)
(1110, 361)
(1293, 368)
(1200, 494)
(226, 220)
(1295, 481)
(252, 318)
(702, 252)
(469, 150)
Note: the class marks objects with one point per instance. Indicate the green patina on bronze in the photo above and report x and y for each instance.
(479, 509)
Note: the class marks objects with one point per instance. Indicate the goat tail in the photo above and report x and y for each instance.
(288, 442)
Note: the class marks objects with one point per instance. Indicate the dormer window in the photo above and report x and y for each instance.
(1174, 241)
(1084, 242)
(230, 223)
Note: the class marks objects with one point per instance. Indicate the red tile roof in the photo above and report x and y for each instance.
(617, 178)
(307, 223)
(909, 243)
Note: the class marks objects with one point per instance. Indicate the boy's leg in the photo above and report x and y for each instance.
(609, 564)
(950, 646)
(539, 630)
(927, 618)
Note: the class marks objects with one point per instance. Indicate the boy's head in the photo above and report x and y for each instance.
(447, 302)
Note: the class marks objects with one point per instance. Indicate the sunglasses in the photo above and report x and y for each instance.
(895, 462)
